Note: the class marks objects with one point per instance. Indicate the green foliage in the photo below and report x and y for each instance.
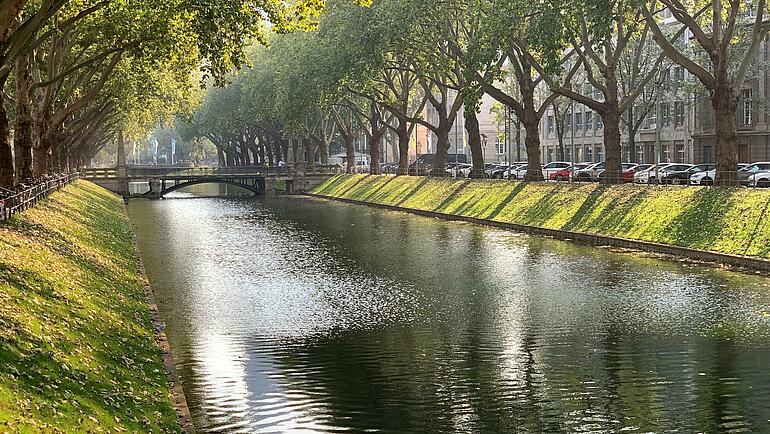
(726, 220)
(76, 344)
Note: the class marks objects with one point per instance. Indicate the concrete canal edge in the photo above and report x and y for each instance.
(175, 388)
(584, 238)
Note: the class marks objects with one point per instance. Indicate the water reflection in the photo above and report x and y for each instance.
(290, 314)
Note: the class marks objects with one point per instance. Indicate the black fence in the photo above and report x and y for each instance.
(25, 196)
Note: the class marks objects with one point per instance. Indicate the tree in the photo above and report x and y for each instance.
(727, 38)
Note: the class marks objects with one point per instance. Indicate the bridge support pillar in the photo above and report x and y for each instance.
(155, 189)
(269, 190)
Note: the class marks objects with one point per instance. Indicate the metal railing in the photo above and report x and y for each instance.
(26, 196)
(759, 179)
(161, 171)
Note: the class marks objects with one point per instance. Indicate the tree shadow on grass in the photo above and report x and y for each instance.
(545, 208)
(508, 199)
(585, 208)
(350, 187)
(615, 219)
(412, 192)
(378, 188)
(703, 219)
(459, 187)
(763, 249)
(330, 184)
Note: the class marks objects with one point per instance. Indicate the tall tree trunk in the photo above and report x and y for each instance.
(374, 152)
(324, 150)
(350, 151)
(725, 103)
(221, 157)
(42, 156)
(246, 157)
(6, 158)
(442, 148)
(531, 123)
(402, 130)
(22, 122)
(611, 118)
(474, 142)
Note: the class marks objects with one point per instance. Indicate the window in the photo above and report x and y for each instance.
(640, 154)
(747, 107)
(568, 122)
(598, 95)
(550, 124)
(588, 154)
(589, 120)
(666, 150)
(599, 123)
(652, 119)
(599, 155)
(679, 113)
(499, 146)
(579, 121)
(679, 151)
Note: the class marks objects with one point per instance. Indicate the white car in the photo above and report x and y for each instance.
(459, 170)
(554, 167)
(516, 172)
(759, 179)
(648, 176)
(707, 177)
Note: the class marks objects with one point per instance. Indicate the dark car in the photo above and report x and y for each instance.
(425, 163)
(677, 173)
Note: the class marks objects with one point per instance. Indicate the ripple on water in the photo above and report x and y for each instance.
(289, 315)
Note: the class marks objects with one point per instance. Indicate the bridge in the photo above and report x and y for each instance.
(162, 180)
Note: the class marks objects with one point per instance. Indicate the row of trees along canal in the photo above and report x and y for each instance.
(371, 70)
(77, 74)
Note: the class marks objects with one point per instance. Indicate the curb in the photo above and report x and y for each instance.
(175, 389)
(581, 237)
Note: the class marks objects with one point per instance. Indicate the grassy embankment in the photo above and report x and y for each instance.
(77, 350)
(726, 220)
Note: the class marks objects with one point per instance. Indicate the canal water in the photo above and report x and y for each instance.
(300, 315)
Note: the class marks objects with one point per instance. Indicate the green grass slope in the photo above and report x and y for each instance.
(77, 352)
(727, 220)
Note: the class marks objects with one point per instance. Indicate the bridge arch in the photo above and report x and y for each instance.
(257, 189)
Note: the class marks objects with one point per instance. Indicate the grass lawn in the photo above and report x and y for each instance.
(76, 345)
(724, 219)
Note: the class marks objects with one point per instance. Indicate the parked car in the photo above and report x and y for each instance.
(459, 170)
(425, 163)
(628, 174)
(500, 172)
(750, 170)
(566, 174)
(648, 176)
(675, 174)
(590, 173)
(554, 167)
(759, 179)
(516, 172)
(707, 177)
(623, 168)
